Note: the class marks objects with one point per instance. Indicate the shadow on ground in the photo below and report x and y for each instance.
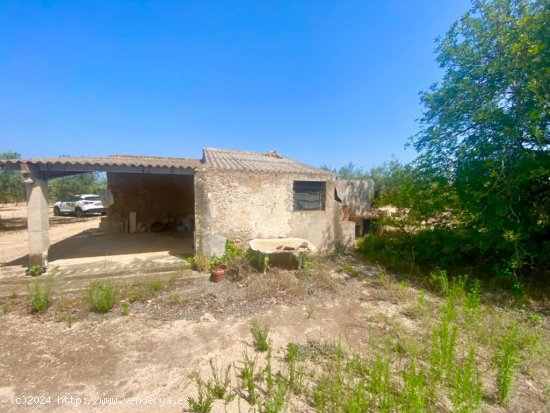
(94, 243)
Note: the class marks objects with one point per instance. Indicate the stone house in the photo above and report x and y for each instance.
(225, 195)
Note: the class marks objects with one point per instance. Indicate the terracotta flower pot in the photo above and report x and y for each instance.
(217, 274)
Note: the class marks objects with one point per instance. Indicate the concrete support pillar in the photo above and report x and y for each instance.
(37, 220)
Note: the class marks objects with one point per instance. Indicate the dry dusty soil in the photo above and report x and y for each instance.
(70, 359)
(13, 231)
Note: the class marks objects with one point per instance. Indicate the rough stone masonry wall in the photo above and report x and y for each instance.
(154, 197)
(246, 205)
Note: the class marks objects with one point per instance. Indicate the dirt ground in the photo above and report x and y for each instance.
(109, 362)
(79, 248)
(13, 231)
(155, 349)
(71, 360)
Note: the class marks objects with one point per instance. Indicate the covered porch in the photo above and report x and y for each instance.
(178, 172)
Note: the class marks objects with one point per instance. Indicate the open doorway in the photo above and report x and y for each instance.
(144, 203)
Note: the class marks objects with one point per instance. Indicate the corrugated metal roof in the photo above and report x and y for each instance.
(112, 160)
(224, 159)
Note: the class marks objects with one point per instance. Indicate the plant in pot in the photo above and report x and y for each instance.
(217, 269)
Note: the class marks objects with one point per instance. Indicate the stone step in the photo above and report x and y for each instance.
(78, 281)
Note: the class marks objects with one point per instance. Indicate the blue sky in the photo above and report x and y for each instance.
(324, 82)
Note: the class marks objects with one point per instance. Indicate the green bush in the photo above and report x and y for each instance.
(454, 250)
(102, 296)
(389, 248)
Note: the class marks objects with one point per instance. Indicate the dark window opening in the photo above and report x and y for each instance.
(309, 196)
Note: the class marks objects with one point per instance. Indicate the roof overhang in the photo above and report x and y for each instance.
(49, 168)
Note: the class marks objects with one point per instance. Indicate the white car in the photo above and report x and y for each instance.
(80, 205)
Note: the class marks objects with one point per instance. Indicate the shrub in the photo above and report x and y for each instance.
(102, 296)
(390, 248)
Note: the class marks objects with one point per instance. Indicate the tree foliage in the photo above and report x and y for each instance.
(12, 188)
(349, 171)
(485, 131)
(66, 187)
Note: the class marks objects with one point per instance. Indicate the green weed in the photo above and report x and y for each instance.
(201, 263)
(40, 293)
(329, 389)
(380, 386)
(295, 374)
(154, 286)
(102, 296)
(219, 386)
(175, 298)
(357, 400)
(35, 270)
(443, 345)
(135, 294)
(260, 335)
(414, 395)
(276, 397)
(467, 386)
(421, 298)
(507, 361)
(454, 289)
(277, 388)
(6, 309)
(310, 314)
(473, 298)
(247, 380)
(203, 403)
(124, 308)
(350, 270)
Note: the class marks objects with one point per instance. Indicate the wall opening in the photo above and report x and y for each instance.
(161, 203)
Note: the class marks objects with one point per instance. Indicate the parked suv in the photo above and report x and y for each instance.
(80, 205)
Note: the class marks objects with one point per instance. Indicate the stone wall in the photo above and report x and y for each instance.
(245, 205)
(357, 195)
(154, 197)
